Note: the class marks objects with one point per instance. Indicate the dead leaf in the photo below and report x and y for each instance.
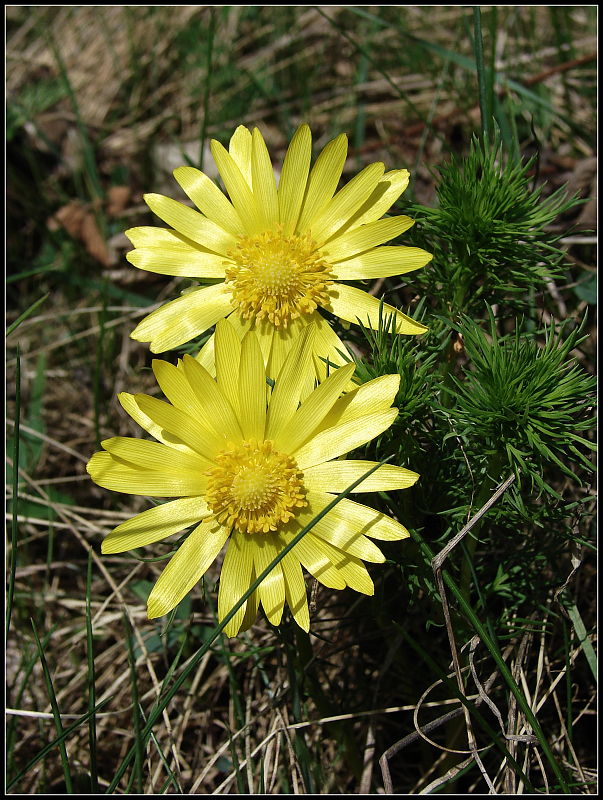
(81, 224)
(118, 198)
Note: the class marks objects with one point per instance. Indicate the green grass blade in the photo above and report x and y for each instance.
(94, 183)
(469, 64)
(208, 82)
(91, 682)
(55, 742)
(11, 728)
(14, 524)
(585, 642)
(138, 736)
(485, 102)
(55, 712)
(172, 780)
(27, 313)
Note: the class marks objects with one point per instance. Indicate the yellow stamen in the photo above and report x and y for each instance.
(276, 276)
(254, 488)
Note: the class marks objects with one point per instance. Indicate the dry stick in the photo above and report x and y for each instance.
(485, 697)
(247, 741)
(436, 566)
(450, 775)
(296, 771)
(576, 62)
(514, 716)
(564, 733)
(49, 440)
(367, 761)
(419, 732)
(266, 759)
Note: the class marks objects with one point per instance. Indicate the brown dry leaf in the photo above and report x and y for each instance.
(80, 224)
(94, 241)
(118, 198)
(69, 217)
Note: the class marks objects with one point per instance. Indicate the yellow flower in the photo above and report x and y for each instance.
(251, 470)
(274, 255)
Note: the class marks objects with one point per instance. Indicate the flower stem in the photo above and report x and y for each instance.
(491, 480)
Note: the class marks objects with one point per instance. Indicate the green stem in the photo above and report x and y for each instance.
(208, 82)
(482, 78)
(491, 480)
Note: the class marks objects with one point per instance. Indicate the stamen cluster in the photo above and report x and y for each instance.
(276, 276)
(254, 487)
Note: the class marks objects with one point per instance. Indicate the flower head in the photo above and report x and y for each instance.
(251, 466)
(275, 254)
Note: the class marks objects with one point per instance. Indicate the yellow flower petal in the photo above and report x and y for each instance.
(130, 406)
(188, 429)
(335, 476)
(323, 180)
(338, 532)
(155, 524)
(365, 520)
(289, 383)
(251, 607)
(252, 389)
(177, 389)
(381, 262)
(365, 237)
(294, 177)
(209, 199)
(207, 355)
(189, 222)
(160, 238)
(235, 579)
(263, 182)
(111, 474)
(153, 455)
(334, 442)
(184, 264)
(369, 398)
(282, 342)
(238, 189)
(328, 347)
(227, 356)
(239, 148)
(346, 202)
(353, 304)
(185, 318)
(190, 562)
(295, 590)
(351, 569)
(216, 407)
(310, 414)
(271, 590)
(205, 401)
(387, 191)
(314, 560)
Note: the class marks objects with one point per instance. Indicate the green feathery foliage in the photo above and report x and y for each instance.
(525, 401)
(488, 231)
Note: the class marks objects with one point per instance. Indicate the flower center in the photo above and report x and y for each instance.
(254, 488)
(276, 276)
